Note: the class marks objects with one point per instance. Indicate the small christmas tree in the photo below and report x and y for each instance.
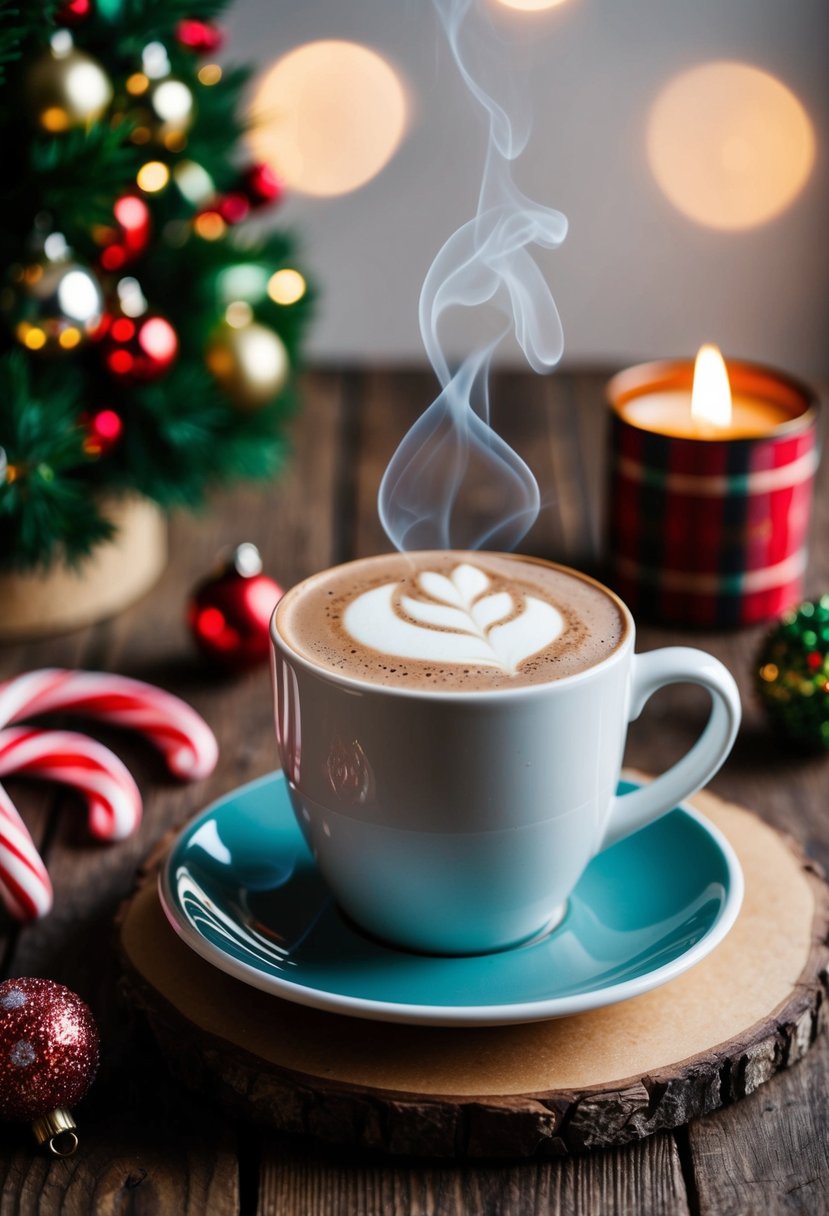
(146, 338)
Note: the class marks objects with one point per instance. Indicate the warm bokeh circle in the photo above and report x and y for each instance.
(730, 145)
(328, 116)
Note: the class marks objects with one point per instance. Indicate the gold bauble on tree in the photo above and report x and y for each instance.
(53, 305)
(66, 87)
(250, 362)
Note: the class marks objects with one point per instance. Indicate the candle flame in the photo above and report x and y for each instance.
(711, 394)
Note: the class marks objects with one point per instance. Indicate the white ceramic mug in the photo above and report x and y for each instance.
(459, 822)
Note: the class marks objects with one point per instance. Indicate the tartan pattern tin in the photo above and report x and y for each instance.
(710, 532)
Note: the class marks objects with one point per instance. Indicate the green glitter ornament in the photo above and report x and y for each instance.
(792, 675)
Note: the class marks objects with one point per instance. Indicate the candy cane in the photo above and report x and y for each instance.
(184, 738)
(25, 889)
(111, 794)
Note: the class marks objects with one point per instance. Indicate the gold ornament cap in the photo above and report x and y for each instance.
(57, 1129)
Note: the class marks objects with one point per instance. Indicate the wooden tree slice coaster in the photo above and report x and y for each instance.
(602, 1078)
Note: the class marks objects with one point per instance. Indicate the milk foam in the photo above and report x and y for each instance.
(450, 620)
(455, 619)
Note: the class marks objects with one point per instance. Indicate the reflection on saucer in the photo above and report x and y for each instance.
(241, 889)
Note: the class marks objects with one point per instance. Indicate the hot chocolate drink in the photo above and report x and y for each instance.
(451, 726)
(451, 620)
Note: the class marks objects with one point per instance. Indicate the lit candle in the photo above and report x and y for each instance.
(707, 408)
(711, 472)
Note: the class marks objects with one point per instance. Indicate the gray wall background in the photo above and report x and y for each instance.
(634, 279)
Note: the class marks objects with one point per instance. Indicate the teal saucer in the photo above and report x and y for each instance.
(241, 889)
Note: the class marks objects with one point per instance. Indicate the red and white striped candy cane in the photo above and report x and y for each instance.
(25, 888)
(184, 738)
(111, 794)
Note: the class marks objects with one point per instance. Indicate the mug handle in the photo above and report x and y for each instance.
(651, 671)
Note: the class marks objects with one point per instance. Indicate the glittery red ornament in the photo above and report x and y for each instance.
(261, 186)
(139, 349)
(49, 1050)
(229, 613)
(199, 36)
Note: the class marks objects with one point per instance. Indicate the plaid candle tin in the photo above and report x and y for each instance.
(710, 532)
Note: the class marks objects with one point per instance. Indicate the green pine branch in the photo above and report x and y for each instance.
(12, 34)
(46, 510)
(162, 14)
(181, 435)
(182, 438)
(82, 172)
(21, 20)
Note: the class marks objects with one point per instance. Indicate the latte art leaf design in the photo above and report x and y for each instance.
(454, 619)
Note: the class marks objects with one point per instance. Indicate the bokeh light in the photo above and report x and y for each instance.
(238, 314)
(103, 430)
(54, 118)
(210, 226)
(328, 117)
(31, 336)
(69, 337)
(137, 84)
(155, 61)
(194, 182)
(286, 286)
(79, 298)
(131, 299)
(158, 338)
(210, 74)
(730, 145)
(530, 6)
(55, 246)
(247, 281)
(173, 101)
(153, 176)
(87, 87)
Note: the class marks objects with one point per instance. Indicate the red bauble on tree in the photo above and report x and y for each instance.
(130, 236)
(49, 1049)
(229, 613)
(138, 349)
(233, 207)
(260, 186)
(74, 12)
(103, 431)
(199, 36)
(230, 209)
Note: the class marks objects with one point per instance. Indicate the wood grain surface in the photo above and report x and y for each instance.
(149, 1148)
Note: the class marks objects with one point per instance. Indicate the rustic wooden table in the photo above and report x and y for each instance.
(147, 1147)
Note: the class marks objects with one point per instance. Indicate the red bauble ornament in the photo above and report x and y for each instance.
(140, 348)
(233, 208)
(261, 186)
(49, 1050)
(199, 36)
(103, 430)
(131, 235)
(74, 12)
(229, 613)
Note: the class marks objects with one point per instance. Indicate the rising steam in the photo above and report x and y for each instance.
(453, 482)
